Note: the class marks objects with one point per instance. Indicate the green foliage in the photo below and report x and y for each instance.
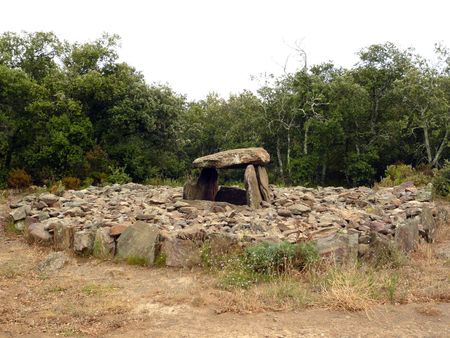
(441, 183)
(399, 173)
(19, 179)
(70, 182)
(274, 258)
(118, 175)
(137, 260)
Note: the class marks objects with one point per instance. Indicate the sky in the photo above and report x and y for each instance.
(201, 46)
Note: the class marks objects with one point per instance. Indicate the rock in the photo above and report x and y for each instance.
(231, 195)
(63, 236)
(55, 261)
(428, 225)
(407, 234)
(251, 186)
(205, 188)
(283, 212)
(181, 252)
(299, 209)
(235, 158)
(263, 181)
(83, 241)
(37, 233)
(340, 247)
(116, 230)
(20, 213)
(425, 194)
(138, 241)
(49, 199)
(104, 245)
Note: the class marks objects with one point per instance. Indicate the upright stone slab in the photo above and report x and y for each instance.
(263, 181)
(252, 187)
(341, 247)
(138, 242)
(63, 235)
(205, 188)
(407, 234)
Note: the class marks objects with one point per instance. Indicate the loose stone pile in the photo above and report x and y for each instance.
(156, 225)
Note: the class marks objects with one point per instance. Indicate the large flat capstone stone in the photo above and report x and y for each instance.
(235, 158)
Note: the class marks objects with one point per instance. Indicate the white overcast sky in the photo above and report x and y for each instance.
(199, 46)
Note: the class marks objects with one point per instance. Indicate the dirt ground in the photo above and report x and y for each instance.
(89, 297)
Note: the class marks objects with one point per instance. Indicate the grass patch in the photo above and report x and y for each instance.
(10, 227)
(137, 260)
(94, 289)
(160, 260)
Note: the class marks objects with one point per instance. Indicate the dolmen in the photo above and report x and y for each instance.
(256, 179)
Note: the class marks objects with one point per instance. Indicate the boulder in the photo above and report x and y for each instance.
(63, 235)
(428, 225)
(117, 229)
(38, 233)
(263, 181)
(55, 261)
(299, 209)
(235, 158)
(181, 252)
(104, 245)
(251, 186)
(20, 213)
(407, 234)
(341, 247)
(83, 241)
(205, 188)
(138, 241)
(49, 199)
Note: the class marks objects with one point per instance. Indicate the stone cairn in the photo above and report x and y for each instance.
(256, 180)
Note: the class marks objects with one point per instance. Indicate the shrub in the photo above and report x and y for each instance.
(441, 183)
(18, 179)
(118, 175)
(70, 182)
(274, 258)
(397, 174)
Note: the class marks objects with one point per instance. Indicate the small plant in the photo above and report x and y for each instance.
(72, 183)
(118, 175)
(160, 260)
(391, 285)
(19, 179)
(397, 174)
(137, 260)
(441, 183)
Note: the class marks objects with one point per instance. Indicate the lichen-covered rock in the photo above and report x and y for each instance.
(63, 236)
(181, 252)
(263, 181)
(83, 242)
(49, 199)
(20, 213)
(54, 262)
(235, 158)
(104, 245)
(341, 247)
(38, 233)
(407, 234)
(252, 187)
(139, 241)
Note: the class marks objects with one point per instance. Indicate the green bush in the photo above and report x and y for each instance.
(274, 258)
(441, 182)
(397, 174)
(18, 179)
(118, 175)
(70, 182)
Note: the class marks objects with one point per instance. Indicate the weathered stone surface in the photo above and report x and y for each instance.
(55, 261)
(231, 195)
(407, 234)
(341, 247)
(205, 188)
(104, 245)
(49, 199)
(299, 209)
(38, 233)
(138, 241)
(233, 158)
(181, 252)
(116, 230)
(251, 186)
(428, 225)
(83, 241)
(263, 181)
(63, 235)
(20, 213)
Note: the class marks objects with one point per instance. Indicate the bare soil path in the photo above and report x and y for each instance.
(89, 297)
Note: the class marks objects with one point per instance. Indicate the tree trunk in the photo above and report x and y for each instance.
(305, 144)
(288, 153)
(426, 138)
(324, 172)
(440, 149)
(280, 160)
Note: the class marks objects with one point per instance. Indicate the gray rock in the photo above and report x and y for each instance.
(428, 225)
(263, 180)
(251, 186)
(181, 252)
(407, 234)
(205, 188)
(83, 242)
(340, 247)
(233, 158)
(63, 236)
(49, 199)
(20, 213)
(299, 209)
(138, 241)
(55, 261)
(104, 245)
(37, 233)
